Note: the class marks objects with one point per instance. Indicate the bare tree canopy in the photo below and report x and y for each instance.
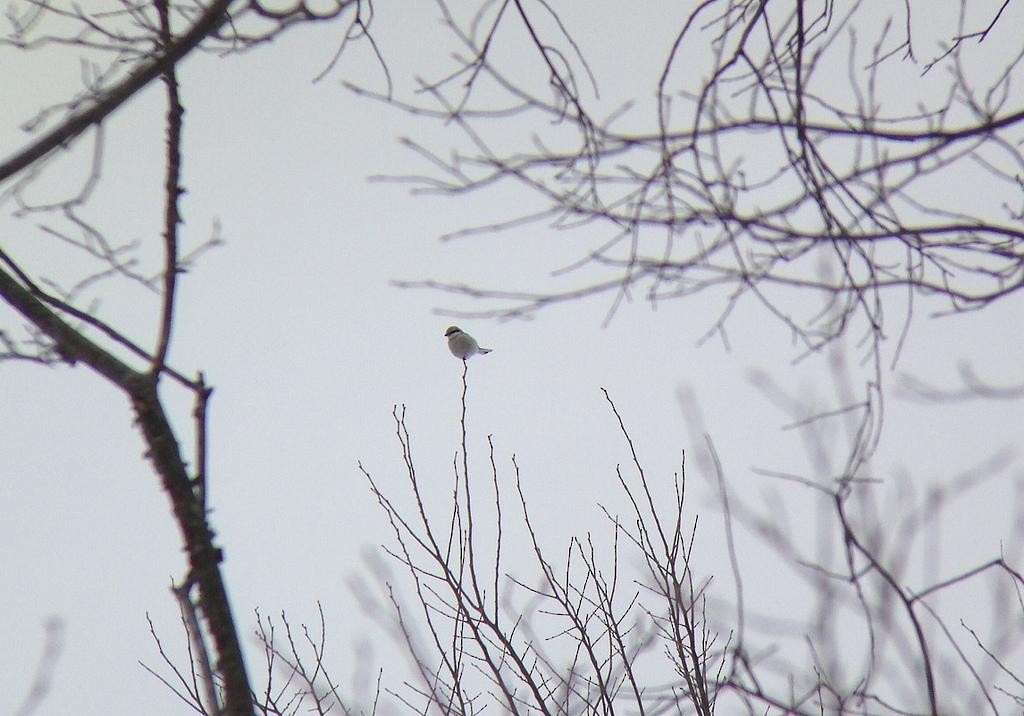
(837, 165)
(745, 164)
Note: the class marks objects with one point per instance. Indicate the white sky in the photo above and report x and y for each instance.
(308, 346)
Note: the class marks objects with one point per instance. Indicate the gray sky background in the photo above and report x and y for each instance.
(308, 345)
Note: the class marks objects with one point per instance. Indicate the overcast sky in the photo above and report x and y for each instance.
(297, 325)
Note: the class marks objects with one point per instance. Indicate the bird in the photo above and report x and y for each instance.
(461, 344)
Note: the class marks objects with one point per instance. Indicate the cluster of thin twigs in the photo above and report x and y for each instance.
(589, 639)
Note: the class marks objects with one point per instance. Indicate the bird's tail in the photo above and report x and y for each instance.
(485, 350)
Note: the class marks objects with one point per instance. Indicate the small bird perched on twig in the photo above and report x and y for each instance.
(461, 344)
